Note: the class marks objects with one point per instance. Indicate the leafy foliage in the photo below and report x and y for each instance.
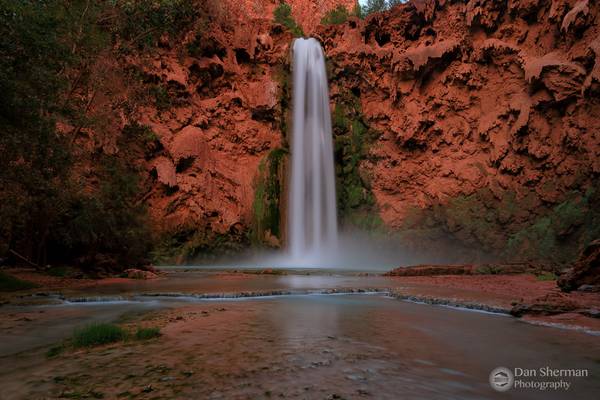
(283, 16)
(33, 56)
(374, 6)
(9, 283)
(337, 16)
(357, 11)
(47, 49)
(108, 223)
(143, 22)
(192, 243)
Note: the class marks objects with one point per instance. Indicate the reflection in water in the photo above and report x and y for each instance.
(304, 321)
(315, 347)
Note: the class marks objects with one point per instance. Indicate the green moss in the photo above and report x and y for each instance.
(98, 334)
(470, 220)
(352, 138)
(509, 227)
(283, 16)
(558, 234)
(267, 196)
(284, 77)
(9, 283)
(367, 221)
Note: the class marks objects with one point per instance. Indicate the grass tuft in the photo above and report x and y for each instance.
(147, 333)
(547, 276)
(98, 334)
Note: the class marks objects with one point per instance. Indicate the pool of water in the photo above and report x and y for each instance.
(300, 346)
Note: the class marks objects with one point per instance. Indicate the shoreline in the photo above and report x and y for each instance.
(520, 295)
(498, 294)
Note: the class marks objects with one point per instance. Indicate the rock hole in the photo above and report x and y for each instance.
(183, 164)
(242, 56)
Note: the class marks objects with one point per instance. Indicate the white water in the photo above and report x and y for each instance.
(312, 216)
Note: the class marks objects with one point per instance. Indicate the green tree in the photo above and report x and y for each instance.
(394, 3)
(35, 159)
(357, 11)
(46, 49)
(337, 16)
(374, 6)
(142, 22)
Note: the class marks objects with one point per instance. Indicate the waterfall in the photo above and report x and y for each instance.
(312, 216)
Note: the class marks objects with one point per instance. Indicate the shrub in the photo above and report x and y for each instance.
(374, 6)
(142, 22)
(147, 333)
(98, 334)
(108, 225)
(9, 283)
(337, 16)
(283, 16)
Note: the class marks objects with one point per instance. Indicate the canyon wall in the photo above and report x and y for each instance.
(469, 125)
(485, 116)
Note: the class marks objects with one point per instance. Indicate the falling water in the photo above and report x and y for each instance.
(312, 217)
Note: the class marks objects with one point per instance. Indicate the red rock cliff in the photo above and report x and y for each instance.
(483, 117)
(488, 116)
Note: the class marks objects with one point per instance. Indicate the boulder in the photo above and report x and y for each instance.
(189, 143)
(430, 270)
(133, 273)
(550, 304)
(165, 171)
(585, 271)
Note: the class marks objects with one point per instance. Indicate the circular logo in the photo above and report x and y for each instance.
(501, 379)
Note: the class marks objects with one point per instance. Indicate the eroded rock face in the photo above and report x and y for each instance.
(487, 114)
(215, 138)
